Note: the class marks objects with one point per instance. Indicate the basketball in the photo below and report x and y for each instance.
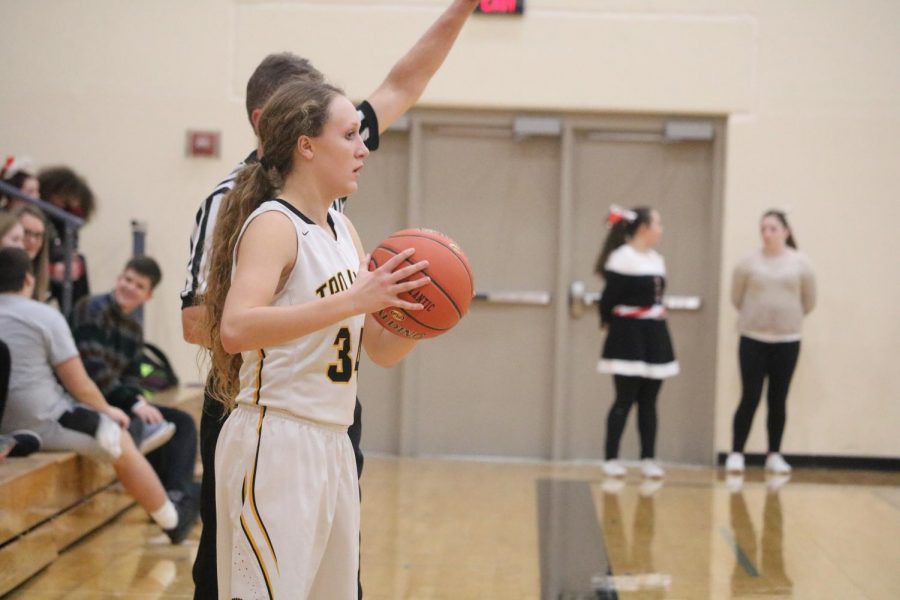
(446, 298)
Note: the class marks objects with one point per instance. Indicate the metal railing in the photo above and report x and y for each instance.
(71, 224)
(138, 244)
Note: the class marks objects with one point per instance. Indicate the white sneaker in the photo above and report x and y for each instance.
(734, 463)
(776, 463)
(612, 485)
(777, 481)
(613, 468)
(649, 487)
(651, 468)
(734, 482)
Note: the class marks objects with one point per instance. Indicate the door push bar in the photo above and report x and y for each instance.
(580, 300)
(526, 297)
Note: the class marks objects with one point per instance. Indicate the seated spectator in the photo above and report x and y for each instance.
(21, 442)
(34, 224)
(111, 343)
(18, 173)
(65, 189)
(70, 413)
(12, 234)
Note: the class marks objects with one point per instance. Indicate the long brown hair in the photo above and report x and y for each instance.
(297, 108)
(620, 232)
(782, 218)
(7, 222)
(40, 264)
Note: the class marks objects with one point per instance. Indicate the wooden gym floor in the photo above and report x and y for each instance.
(435, 529)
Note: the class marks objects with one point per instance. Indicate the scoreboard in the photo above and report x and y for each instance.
(501, 7)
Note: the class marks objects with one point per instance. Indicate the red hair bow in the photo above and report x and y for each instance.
(618, 214)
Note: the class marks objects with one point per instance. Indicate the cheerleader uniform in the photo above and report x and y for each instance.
(638, 349)
(287, 495)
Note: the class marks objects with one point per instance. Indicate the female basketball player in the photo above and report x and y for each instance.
(773, 288)
(638, 350)
(289, 291)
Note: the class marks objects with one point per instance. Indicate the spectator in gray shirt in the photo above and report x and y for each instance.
(51, 394)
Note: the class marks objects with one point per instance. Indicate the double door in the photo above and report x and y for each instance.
(526, 198)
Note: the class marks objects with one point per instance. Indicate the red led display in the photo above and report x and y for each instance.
(501, 7)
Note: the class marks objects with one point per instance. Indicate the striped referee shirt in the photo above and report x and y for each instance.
(204, 224)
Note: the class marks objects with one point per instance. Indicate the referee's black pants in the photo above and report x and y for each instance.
(206, 585)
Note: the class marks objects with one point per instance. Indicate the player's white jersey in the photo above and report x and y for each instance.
(312, 377)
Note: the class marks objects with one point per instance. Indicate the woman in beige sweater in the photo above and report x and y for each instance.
(773, 288)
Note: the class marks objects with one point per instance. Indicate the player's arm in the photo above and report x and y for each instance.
(384, 348)
(266, 254)
(75, 379)
(407, 79)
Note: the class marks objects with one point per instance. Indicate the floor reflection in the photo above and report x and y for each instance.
(437, 529)
(572, 552)
(632, 564)
(759, 568)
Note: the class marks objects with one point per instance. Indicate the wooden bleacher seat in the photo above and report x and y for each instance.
(50, 500)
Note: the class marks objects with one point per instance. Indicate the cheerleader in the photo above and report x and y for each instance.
(638, 350)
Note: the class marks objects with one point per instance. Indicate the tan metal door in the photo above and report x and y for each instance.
(676, 178)
(519, 379)
(485, 388)
(377, 210)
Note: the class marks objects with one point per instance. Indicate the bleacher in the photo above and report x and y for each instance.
(50, 500)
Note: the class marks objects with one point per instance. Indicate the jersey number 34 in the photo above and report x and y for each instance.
(341, 371)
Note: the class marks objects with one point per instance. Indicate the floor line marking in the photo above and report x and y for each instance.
(742, 557)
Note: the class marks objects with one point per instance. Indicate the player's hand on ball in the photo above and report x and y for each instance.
(381, 287)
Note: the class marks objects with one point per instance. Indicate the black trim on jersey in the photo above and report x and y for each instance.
(371, 120)
(303, 217)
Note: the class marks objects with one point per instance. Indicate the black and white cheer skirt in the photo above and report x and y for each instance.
(638, 348)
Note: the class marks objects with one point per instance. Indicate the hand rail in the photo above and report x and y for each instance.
(71, 224)
(50, 209)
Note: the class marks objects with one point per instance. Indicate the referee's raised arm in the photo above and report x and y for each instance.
(408, 78)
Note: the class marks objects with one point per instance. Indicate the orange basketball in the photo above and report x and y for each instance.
(446, 298)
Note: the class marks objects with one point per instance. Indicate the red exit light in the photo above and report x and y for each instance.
(501, 7)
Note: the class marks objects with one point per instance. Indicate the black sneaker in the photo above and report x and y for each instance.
(155, 435)
(188, 511)
(150, 436)
(27, 442)
(7, 443)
